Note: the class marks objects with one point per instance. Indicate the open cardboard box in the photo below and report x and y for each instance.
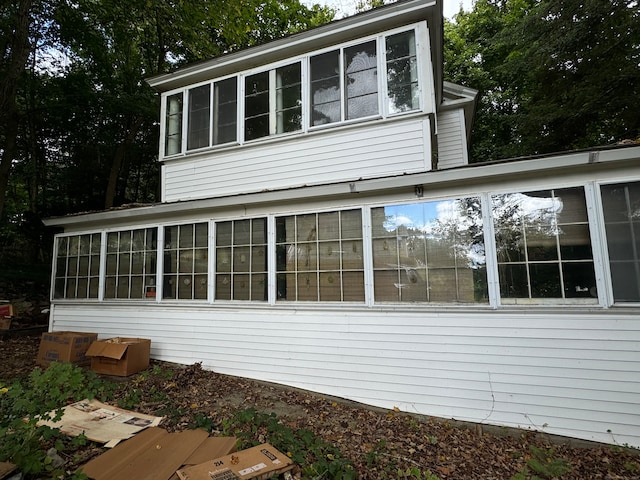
(6, 314)
(155, 454)
(65, 347)
(256, 463)
(120, 356)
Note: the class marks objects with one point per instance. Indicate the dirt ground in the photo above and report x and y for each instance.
(377, 442)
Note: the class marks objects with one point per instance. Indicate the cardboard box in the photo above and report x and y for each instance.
(5, 323)
(65, 347)
(6, 313)
(120, 356)
(256, 463)
(155, 454)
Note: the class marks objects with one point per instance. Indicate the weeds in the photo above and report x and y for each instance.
(543, 464)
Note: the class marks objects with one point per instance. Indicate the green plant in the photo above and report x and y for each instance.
(417, 474)
(43, 393)
(316, 458)
(543, 464)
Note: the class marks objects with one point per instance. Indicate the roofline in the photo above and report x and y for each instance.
(338, 31)
(466, 175)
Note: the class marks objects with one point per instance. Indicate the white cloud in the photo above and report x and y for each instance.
(344, 8)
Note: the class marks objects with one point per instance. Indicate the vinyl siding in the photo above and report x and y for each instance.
(452, 140)
(565, 373)
(351, 153)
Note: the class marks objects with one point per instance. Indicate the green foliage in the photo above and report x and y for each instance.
(417, 474)
(543, 464)
(22, 403)
(317, 458)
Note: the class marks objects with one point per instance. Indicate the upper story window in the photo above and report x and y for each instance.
(376, 77)
(273, 102)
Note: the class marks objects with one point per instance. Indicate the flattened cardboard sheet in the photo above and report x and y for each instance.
(6, 468)
(100, 422)
(260, 462)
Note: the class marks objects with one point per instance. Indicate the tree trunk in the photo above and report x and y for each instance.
(118, 159)
(14, 61)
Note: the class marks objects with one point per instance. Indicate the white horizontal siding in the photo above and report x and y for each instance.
(566, 373)
(452, 139)
(364, 151)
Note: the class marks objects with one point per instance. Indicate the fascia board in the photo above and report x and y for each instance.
(472, 174)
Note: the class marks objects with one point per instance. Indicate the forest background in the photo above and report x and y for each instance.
(79, 125)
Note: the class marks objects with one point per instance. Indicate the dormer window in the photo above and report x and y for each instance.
(373, 78)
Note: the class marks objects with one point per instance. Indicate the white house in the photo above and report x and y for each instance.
(320, 227)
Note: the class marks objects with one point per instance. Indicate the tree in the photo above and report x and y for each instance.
(553, 75)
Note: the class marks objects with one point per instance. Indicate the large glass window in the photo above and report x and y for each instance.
(325, 88)
(241, 260)
(402, 72)
(621, 204)
(543, 245)
(199, 117)
(429, 252)
(77, 266)
(173, 125)
(361, 80)
(131, 264)
(186, 261)
(273, 102)
(319, 257)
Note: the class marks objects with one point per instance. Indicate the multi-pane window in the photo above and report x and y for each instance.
(403, 93)
(319, 257)
(621, 205)
(77, 266)
(131, 264)
(173, 125)
(273, 102)
(429, 252)
(241, 260)
(199, 117)
(350, 82)
(543, 245)
(186, 261)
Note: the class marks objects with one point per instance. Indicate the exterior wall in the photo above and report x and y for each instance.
(333, 155)
(452, 140)
(566, 373)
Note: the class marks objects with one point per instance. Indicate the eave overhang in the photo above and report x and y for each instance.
(339, 31)
(475, 174)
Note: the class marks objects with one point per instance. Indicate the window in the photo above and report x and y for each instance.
(199, 108)
(402, 72)
(361, 80)
(186, 261)
(273, 102)
(225, 100)
(543, 245)
(319, 257)
(429, 252)
(173, 125)
(77, 266)
(131, 264)
(621, 204)
(325, 88)
(241, 260)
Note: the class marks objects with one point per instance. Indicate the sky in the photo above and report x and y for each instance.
(348, 7)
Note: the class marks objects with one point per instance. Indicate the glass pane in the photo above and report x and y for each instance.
(330, 287)
(242, 232)
(351, 223)
(385, 253)
(94, 269)
(307, 287)
(223, 287)
(241, 259)
(225, 111)
(123, 287)
(171, 237)
(329, 255)
(200, 287)
(352, 255)
(402, 72)
(306, 225)
(325, 88)
(386, 286)
(62, 246)
(259, 230)
(198, 125)
(186, 236)
(124, 264)
(259, 259)
(259, 287)
(353, 286)
(185, 261)
(137, 287)
(201, 260)
(223, 233)
(241, 286)
(307, 256)
(202, 235)
(329, 226)
(513, 281)
(256, 106)
(361, 80)
(185, 287)
(170, 286)
(579, 280)
(137, 263)
(545, 280)
(286, 286)
(173, 125)
(223, 260)
(110, 287)
(112, 242)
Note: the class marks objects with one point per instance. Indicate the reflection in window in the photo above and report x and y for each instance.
(402, 72)
(131, 264)
(198, 125)
(429, 252)
(543, 245)
(319, 257)
(621, 205)
(241, 260)
(77, 271)
(361, 80)
(173, 125)
(186, 261)
(325, 88)
(256, 106)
